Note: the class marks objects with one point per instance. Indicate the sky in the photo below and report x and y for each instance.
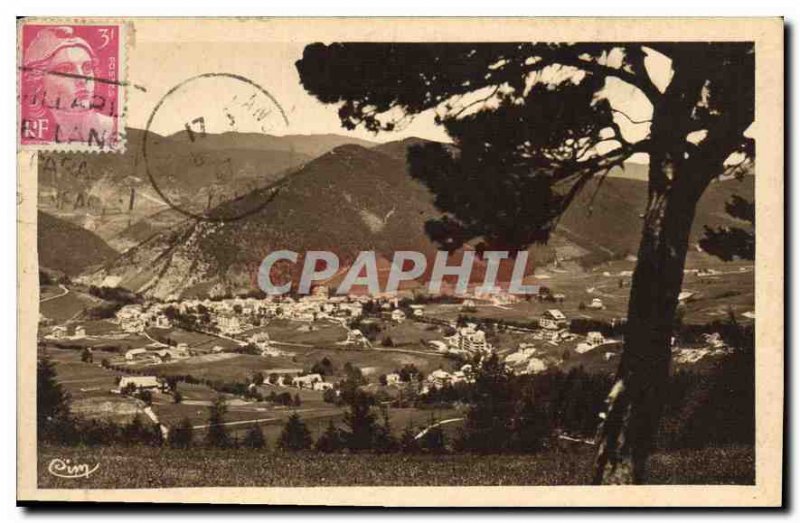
(270, 65)
(161, 56)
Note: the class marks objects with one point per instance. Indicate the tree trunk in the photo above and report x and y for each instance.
(626, 434)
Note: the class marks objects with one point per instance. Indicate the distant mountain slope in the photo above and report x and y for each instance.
(349, 199)
(110, 193)
(399, 149)
(68, 248)
(352, 199)
(146, 227)
(609, 225)
(310, 145)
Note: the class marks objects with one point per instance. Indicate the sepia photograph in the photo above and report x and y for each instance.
(274, 254)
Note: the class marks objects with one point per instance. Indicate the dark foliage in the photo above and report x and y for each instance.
(527, 120)
(254, 438)
(323, 367)
(217, 435)
(359, 419)
(488, 422)
(52, 402)
(408, 443)
(332, 440)
(729, 243)
(139, 432)
(295, 435)
(115, 294)
(433, 440)
(181, 436)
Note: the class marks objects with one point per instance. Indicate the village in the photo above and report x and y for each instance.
(255, 349)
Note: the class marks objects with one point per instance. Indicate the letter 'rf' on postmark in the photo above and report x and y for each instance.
(70, 91)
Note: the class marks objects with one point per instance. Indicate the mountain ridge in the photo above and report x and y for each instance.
(354, 198)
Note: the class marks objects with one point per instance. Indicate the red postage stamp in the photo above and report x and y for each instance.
(70, 87)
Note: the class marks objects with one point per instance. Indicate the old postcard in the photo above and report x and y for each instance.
(401, 262)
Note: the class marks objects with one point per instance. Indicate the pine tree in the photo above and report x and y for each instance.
(728, 242)
(359, 419)
(487, 427)
(537, 140)
(140, 432)
(434, 439)
(408, 440)
(331, 440)
(295, 435)
(254, 439)
(217, 435)
(532, 423)
(52, 403)
(181, 436)
(383, 441)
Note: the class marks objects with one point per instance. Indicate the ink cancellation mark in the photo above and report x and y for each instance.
(188, 157)
(71, 96)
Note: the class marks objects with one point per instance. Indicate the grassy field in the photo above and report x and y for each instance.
(296, 332)
(195, 340)
(68, 306)
(732, 287)
(89, 387)
(155, 468)
(226, 367)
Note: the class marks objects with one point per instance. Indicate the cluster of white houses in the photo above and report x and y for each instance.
(441, 378)
(232, 316)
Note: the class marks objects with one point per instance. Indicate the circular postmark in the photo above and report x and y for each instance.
(214, 155)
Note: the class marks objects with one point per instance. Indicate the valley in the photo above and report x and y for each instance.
(197, 326)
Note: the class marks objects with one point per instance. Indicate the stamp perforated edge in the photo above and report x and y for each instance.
(125, 27)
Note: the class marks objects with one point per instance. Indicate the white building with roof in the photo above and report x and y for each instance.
(229, 324)
(139, 382)
(307, 381)
(553, 319)
(469, 339)
(134, 354)
(597, 304)
(59, 332)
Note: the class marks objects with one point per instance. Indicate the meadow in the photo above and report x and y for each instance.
(144, 467)
(732, 287)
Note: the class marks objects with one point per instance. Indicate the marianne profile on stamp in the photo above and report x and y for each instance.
(69, 86)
